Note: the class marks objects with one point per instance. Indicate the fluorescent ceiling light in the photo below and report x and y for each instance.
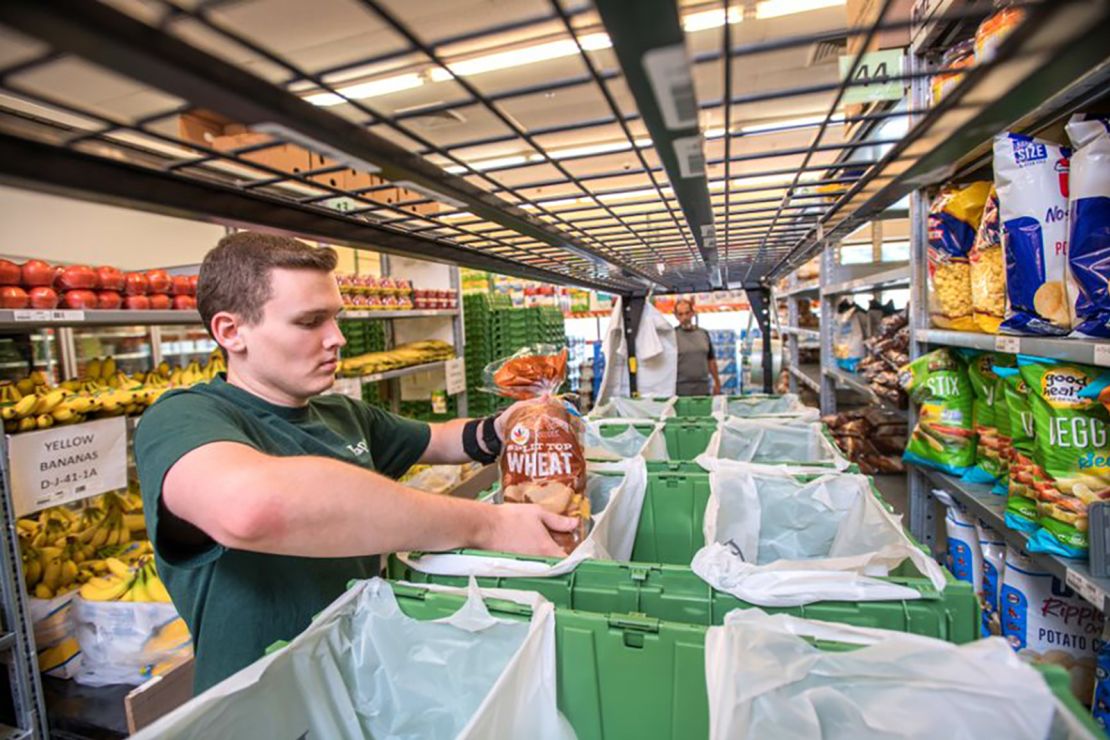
(520, 57)
(585, 150)
(759, 128)
(487, 164)
(777, 8)
(370, 89)
(711, 19)
(456, 216)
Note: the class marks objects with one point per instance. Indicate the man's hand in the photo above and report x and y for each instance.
(523, 528)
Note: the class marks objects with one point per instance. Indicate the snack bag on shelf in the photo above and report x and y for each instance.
(953, 220)
(1025, 473)
(1046, 622)
(1089, 224)
(943, 438)
(985, 385)
(988, 270)
(1003, 423)
(542, 459)
(1073, 448)
(1031, 176)
(848, 344)
(993, 549)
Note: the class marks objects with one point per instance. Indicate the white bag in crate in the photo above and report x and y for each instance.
(615, 521)
(775, 440)
(774, 541)
(122, 641)
(56, 646)
(365, 669)
(766, 680)
(786, 406)
(634, 409)
(627, 444)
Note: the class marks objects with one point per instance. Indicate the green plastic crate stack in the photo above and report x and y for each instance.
(552, 326)
(372, 394)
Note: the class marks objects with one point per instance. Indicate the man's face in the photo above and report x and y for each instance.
(684, 312)
(294, 347)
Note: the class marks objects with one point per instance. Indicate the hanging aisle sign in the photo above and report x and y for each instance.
(67, 463)
(874, 71)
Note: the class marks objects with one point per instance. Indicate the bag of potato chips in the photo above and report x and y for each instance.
(1072, 446)
(1003, 422)
(542, 460)
(1031, 176)
(953, 220)
(943, 438)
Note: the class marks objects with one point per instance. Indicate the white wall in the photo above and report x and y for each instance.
(64, 230)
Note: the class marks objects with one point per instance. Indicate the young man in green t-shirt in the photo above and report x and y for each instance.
(263, 498)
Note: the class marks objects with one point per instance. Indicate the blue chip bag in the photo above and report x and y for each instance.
(1031, 177)
(1089, 214)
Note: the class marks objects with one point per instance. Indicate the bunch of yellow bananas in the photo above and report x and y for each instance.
(63, 549)
(123, 582)
(405, 355)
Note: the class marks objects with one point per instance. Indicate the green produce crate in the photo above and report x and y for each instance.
(693, 406)
(675, 593)
(628, 676)
(612, 430)
(687, 438)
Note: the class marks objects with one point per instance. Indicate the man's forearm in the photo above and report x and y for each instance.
(445, 446)
(360, 512)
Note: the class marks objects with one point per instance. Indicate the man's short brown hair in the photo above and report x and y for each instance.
(235, 275)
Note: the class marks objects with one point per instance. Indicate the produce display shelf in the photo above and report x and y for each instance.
(1086, 351)
(807, 375)
(400, 372)
(420, 313)
(801, 287)
(898, 277)
(850, 381)
(991, 508)
(801, 333)
(13, 319)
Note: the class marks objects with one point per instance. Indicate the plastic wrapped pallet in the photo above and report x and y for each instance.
(775, 440)
(125, 642)
(365, 669)
(615, 503)
(774, 538)
(767, 678)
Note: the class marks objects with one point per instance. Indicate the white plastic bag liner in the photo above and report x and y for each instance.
(765, 680)
(363, 669)
(634, 409)
(55, 635)
(775, 440)
(627, 444)
(119, 642)
(786, 406)
(773, 540)
(616, 503)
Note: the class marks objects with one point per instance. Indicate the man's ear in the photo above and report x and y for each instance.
(226, 330)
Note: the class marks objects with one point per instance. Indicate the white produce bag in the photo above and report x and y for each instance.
(627, 444)
(775, 440)
(766, 681)
(615, 502)
(786, 406)
(363, 669)
(121, 641)
(634, 409)
(773, 540)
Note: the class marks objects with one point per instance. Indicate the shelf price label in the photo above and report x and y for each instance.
(36, 315)
(1009, 345)
(67, 463)
(1086, 588)
(455, 372)
(1102, 354)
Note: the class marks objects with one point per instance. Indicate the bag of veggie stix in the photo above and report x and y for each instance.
(1073, 448)
(1002, 424)
(984, 386)
(1021, 493)
(943, 438)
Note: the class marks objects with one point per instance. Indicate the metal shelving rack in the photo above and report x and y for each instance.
(792, 293)
(541, 213)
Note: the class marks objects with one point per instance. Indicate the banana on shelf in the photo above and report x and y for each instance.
(104, 390)
(405, 355)
(93, 549)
